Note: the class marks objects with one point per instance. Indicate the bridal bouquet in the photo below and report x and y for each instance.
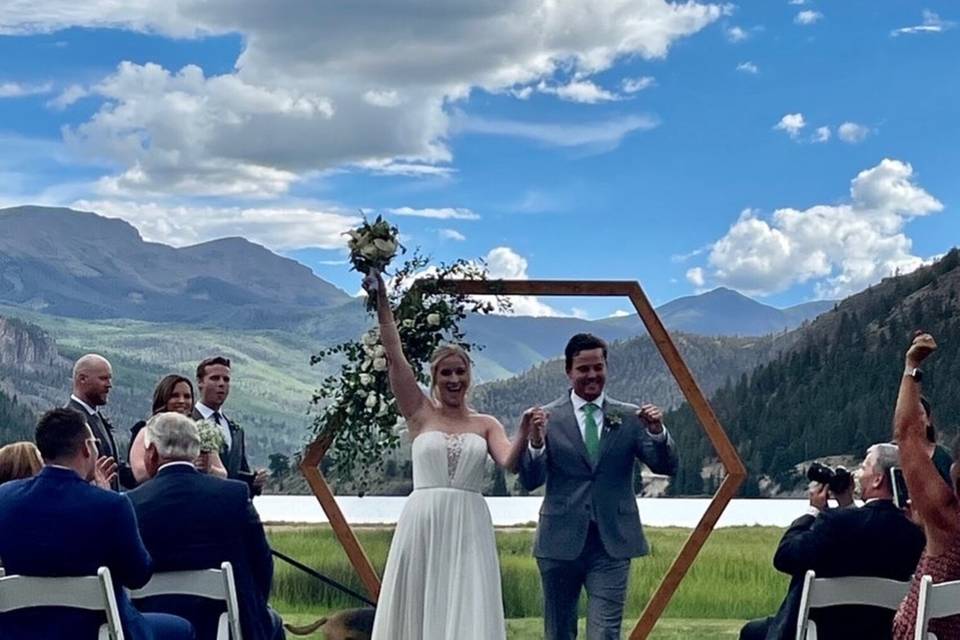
(211, 436)
(373, 246)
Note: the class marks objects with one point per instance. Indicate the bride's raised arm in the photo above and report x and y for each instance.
(410, 397)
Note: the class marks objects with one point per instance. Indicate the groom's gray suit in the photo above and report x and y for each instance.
(589, 523)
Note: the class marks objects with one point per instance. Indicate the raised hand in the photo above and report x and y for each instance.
(373, 282)
(922, 346)
(652, 416)
(105, 472)
(533, 425)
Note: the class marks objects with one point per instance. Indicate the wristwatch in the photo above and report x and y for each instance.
(914, 373)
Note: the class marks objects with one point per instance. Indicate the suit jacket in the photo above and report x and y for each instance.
(579, 491)
(234, 458)
(190, 520)
(57, 524)
(106, 444)
(873, 540)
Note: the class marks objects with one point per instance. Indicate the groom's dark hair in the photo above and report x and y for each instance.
(583, 342)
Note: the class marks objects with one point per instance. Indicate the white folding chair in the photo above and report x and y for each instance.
(935, 601)
(94, 593)
(830, 592)
(216, 584)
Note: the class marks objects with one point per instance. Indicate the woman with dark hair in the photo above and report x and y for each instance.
(19, 460)
(173, 393)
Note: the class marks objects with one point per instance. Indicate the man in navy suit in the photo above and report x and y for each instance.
(876, 539)
(190, 520)
(58, 524)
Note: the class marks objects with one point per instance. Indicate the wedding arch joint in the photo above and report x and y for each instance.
(736, 473)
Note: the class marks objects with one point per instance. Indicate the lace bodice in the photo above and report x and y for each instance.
(449, 460)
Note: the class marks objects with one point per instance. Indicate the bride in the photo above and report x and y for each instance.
(442, 579)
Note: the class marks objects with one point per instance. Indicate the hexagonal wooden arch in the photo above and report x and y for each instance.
(736, 472)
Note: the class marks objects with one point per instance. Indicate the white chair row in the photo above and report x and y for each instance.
(935, 601)
(96, 594)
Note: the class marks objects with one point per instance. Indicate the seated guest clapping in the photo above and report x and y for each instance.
(875, 540)
(191, 520)
(172, 393)
(58, 524)
(19, 460)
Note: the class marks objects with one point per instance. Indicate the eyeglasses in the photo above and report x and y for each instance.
(96, 446)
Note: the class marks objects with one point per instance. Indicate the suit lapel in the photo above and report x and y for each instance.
(607, 434)
(571, 429)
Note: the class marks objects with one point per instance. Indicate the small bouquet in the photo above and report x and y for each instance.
(373, 246)
(211, 436)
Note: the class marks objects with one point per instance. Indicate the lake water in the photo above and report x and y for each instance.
(656, 512)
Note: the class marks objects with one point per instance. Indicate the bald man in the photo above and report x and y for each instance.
(92, 380)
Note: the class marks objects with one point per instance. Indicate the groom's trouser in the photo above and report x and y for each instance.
(605, 579)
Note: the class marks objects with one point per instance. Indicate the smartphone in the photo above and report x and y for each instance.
(900, 495)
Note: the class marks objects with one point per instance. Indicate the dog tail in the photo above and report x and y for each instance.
(306, 629)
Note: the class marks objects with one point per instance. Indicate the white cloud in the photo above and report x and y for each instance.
(634, 85)
(583, 91)
(310, 94)
(68, 96)
(737, 34)
(852, 132)
(695, 276)
(620, 313)
(505, 263)
(606, 134)
(279, 228)
(807, 17)
(841, 248)
(452, 234)
(20, 90)
(822, 134)
(748, 67)
(792, 123)
(932, 23)
(444, 213)
(798, 2)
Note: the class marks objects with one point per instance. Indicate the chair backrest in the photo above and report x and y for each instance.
(215, 584)
(935, 601)
(93, 593)
(830, 592)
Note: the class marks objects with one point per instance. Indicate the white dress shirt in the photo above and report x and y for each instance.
(83, 404)
(207, 414)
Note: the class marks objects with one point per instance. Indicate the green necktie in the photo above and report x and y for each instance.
(591, 436)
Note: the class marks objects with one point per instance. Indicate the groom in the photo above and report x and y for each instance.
(589, 524)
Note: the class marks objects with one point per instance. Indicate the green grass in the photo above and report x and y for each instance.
(732, 579)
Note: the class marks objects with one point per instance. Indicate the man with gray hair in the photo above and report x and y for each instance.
(191, 520)
(875, 540)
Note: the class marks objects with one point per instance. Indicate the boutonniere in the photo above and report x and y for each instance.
(613, 420)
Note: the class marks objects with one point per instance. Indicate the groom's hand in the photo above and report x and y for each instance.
(652, 416)
(534, 423)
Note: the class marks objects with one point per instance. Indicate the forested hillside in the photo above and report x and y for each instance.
(834, 391)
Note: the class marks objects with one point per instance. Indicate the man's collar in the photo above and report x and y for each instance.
(178, 463)
(60, 471)
(872, 500)
(206, 411)
(83, 404)
(578, 402)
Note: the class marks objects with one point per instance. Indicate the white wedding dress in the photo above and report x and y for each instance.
(442, 579)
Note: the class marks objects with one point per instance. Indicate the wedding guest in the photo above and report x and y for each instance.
(876, 539)
(213, 383)
(172, 393)
(19, 460)
(58, 524)
(934, 504)
(442, 578)
(191, 521)
(92, 381)
(589, 527)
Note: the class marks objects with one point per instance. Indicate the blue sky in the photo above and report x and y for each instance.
(790, 150)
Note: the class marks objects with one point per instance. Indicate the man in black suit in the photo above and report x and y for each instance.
(876, 539)
(92, 381)
(213, 385)
(190, 520)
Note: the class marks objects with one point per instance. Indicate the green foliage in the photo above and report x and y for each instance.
(17, 422)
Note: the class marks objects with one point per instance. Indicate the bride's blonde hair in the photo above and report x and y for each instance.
(444, 351)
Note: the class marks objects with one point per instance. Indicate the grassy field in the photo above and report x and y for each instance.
(732, 580)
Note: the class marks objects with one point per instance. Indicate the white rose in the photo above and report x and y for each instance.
(383, 408)
(408, 323)
(366, 379)
(366, 364)
(368, 251)
(369, 339)
(433, 319)
(371, 401)
(379, 351)
(379, 364)
(388, 247)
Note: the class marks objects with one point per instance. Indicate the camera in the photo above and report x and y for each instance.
(839, 480)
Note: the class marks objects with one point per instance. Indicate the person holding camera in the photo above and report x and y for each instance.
(933, 502)
(874, 540)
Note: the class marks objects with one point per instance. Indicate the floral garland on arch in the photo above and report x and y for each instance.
(358, 412)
